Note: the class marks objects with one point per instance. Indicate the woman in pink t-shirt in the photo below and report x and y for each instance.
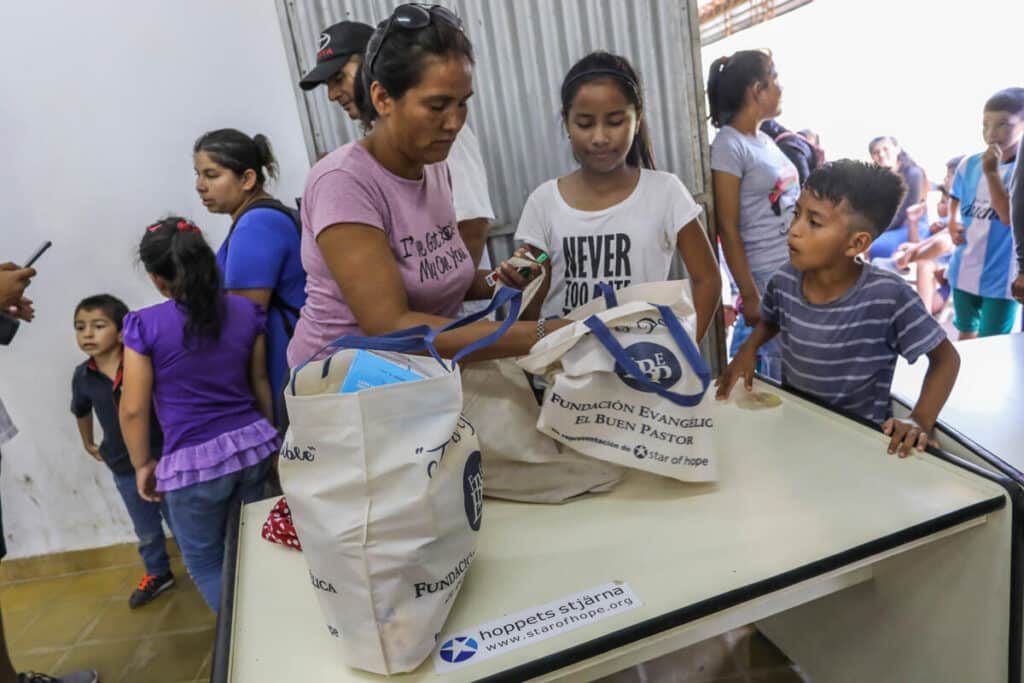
(380, 242)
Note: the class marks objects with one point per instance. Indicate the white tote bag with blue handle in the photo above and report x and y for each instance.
(628, 385)
(385, 488)
(520, 463)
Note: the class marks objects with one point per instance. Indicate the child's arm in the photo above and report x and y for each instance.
(136, 404)
(956, 230)
(705, 276)
(88, 440)
(997, 191)
(943, 367)
(258, 380)
(727, 216)
(745, 362)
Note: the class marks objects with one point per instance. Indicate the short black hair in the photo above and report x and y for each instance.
(1010, 100)
(111, 306)
(871, 192)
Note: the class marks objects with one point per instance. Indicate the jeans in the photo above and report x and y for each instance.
(199, 515)
(769, 356)
(146, 518)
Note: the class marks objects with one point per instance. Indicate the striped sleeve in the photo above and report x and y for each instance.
(913, 332)
(771, 300)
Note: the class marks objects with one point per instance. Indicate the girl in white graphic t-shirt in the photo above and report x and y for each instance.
(614, 219)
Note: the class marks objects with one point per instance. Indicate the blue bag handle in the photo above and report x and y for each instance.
(611, 299)
(500, 298)
(682, 340)
(421, 337)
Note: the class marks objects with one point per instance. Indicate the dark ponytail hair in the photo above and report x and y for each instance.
(604, 65)
(237, 152)
(400, 62)
(174, 250)
(728, 80)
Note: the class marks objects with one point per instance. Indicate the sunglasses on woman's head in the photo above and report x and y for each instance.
(413, 17)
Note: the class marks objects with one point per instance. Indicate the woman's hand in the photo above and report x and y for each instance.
(145, 481)
(510, 275)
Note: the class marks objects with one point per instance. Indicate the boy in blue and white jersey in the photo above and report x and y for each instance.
(842, 322)
(984, 267)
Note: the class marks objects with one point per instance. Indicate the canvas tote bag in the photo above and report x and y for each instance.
(628, 385)
(520, 462)
(385, 488)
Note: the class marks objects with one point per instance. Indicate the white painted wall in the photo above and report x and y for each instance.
(921, 71)
(101, 103)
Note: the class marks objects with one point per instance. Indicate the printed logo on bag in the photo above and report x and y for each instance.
(452, 578)
(473, 490)
(322, 585)
(300, 454)
(656, 362)
(458, 649)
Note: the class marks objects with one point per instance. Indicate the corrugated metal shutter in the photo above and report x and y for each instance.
(523, 50)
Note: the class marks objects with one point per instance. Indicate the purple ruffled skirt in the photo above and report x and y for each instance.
(230, 452)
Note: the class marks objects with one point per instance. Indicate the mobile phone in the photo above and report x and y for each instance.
(37, 253)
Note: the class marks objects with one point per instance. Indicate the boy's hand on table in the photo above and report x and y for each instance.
(905, 434)
(743, 365)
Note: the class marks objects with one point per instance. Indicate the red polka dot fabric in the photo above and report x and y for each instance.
(279, 528)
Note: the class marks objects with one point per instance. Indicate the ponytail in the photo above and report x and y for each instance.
(237, 152)
(174, 250)
(728, 80)
(640, 154)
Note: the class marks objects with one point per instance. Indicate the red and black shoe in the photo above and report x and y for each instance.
(150, 587)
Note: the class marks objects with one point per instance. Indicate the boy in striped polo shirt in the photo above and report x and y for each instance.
(842, 322)
(983, 267)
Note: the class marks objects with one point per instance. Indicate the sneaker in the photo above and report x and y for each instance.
(77, 677)
(150, 587)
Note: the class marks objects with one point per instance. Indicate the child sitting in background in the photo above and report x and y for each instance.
(200, 360)
(843, 322)
(96, 387)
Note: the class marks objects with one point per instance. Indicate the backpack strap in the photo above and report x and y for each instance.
(276, 301)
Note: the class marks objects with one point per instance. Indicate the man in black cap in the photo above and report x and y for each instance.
(339, 54)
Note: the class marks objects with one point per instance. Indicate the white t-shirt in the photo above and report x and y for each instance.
(469, 191)
(631, 242)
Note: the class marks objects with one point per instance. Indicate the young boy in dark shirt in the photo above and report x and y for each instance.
(96, 387)
(842, 322)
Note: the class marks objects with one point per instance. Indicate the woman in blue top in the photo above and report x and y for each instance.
(259, 259)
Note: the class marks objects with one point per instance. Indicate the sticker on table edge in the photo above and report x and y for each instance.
(533, 625)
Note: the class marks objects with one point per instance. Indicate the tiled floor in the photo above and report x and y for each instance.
(78, 621)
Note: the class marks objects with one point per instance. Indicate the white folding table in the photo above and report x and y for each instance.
(859, 565)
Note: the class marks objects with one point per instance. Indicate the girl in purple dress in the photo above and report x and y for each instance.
(200, 359)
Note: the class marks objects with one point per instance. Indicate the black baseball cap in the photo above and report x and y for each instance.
(337, 44)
